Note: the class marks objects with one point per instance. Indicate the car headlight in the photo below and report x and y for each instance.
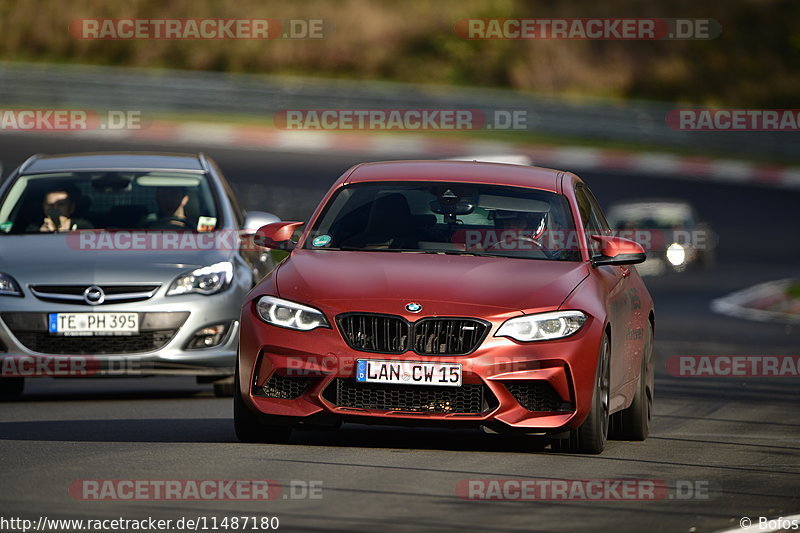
(286, 314)
(206, 280)
(9, 286)
(676, 254)
(542, 326)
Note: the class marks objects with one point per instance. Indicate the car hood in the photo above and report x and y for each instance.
(53, 259)
(442, 284)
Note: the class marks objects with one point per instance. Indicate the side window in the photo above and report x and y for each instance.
(237, 210)
(597, 212)
(592, 225)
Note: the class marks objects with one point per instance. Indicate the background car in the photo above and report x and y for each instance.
(144, 275)
(671, 231)
(451, 294)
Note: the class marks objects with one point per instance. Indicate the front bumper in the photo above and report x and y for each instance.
(167, 326)
(305, 377)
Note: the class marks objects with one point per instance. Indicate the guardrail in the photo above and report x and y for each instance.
(30, 84)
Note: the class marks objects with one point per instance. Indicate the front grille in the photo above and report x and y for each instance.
(448, 336)
(155, 330)
(467, 399)
(74, 293)
(282, 387)
(375, 333)
(537, 396)
(145, 341)
(430, 336)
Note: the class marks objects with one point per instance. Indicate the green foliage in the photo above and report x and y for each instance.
(755, 62)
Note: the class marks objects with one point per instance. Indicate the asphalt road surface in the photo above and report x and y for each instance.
(731, 445)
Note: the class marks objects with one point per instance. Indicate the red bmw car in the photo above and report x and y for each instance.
(450, 294)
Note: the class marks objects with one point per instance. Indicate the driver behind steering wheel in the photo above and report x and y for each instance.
(171, 209)
(524, 225)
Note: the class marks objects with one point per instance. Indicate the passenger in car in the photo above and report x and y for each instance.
(59, 209)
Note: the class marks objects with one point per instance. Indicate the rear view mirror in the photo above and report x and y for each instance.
(617, 251)
(277, 235)
(458, 208)
(111, 183)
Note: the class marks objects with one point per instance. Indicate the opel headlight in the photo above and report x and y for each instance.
(207, 280)
(542, 326)
(676, 254)
(286, 314)
(8, 286)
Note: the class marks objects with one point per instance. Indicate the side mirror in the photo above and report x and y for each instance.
(277, 235)
(617, 251)
(253, 220)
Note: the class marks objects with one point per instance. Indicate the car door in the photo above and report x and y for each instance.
(614, 280)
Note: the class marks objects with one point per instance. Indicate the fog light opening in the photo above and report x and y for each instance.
(208, 337)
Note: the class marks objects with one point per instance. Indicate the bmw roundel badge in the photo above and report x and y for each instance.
(413, 307)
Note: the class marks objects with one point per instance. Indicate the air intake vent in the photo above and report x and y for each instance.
(467, 399)
(537, 396)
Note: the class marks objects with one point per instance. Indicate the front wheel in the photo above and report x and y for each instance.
(254, 427)
(590, 437)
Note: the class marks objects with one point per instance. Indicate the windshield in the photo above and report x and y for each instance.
(68, 201)
(451, 218)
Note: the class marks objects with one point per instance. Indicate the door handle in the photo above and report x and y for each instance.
(625, 272)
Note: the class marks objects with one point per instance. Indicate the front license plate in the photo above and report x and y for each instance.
(88, 324)
(408, 373)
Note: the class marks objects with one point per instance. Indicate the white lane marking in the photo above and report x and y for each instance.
(791, 177)
(735, 303)
(729, 170)
(655, 163)
(206, 133)
(315, 141)
(396, 144)
(577, 157)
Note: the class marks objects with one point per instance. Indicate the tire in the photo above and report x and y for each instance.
(590, 437)
(634, 422)
(254, 427)
(11, 388)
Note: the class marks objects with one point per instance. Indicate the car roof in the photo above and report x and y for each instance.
(457, 171)
(114, 161)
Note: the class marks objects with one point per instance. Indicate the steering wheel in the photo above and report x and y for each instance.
(170, 221)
